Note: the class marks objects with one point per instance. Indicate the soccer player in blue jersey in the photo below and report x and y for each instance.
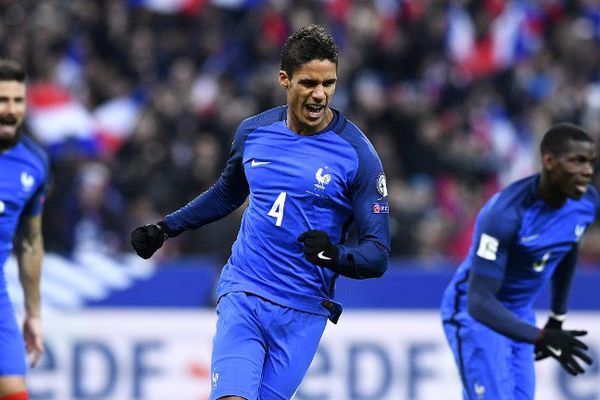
(525, 235)
(24, 176)
(310, 175)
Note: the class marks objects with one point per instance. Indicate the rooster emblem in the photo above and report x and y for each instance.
(322, 180)
(27, 181)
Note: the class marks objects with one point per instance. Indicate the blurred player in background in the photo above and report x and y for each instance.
(310, 174)
(24, 175)
(525, 235)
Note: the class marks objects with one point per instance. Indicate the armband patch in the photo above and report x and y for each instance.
(381, 185)
(488, 247)
(381, 208)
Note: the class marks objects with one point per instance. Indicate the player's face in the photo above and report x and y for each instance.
(572, 171)
(12, 111)
(309, 92)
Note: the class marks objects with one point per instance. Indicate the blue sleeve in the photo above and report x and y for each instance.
(561, 281)
(370, 258)
(593, 193)
(485, 308)
(224, 197)
(35, 204)
(497, 226)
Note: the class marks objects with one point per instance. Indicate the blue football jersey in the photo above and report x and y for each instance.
(520, 240)
(23, 184)
(329, 181)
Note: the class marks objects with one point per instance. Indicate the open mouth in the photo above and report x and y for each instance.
(6, 127)
(314, 111)
(581, 187)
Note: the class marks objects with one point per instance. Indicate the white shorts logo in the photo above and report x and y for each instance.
(215, 379)
(479, 390)
(488, 247)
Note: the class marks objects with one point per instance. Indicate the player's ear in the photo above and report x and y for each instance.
(548, 161)
(284, 79)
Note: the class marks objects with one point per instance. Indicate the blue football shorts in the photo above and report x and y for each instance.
(261, 350)
(12, 345)
(491, 365)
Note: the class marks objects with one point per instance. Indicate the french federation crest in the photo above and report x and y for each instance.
(27, 181)
(381, 185)
(322, 180)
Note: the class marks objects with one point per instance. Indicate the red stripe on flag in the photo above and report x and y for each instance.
(46, 95)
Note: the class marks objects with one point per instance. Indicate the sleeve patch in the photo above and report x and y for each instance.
(488, 247)
(381, 185)
(381, 208)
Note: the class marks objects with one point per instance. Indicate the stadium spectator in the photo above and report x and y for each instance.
(410, 77)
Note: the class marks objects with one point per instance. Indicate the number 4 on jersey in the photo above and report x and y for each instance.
(277, 209)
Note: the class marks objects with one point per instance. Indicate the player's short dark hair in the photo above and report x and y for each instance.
(557, 136)
(311, 42)
(11, 71)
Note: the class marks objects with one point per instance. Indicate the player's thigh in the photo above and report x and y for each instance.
(523, 371)
(239, 349)
(293, 341)
(11, 384)
(12, 345)
(484, 360)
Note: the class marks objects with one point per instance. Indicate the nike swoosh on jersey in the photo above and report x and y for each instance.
(529, 238)
(255, 163)
(322, 256)
(555, 351)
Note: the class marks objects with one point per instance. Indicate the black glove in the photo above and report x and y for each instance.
(564, 347)
(147, 239)
(318, 248)
(540, 351)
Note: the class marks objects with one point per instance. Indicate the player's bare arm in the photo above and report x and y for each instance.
(29, 250)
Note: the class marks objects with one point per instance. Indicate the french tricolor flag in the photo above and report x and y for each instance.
(63, 124)
(188, 7)
(515, 33)
(116, 119)
(56, 118)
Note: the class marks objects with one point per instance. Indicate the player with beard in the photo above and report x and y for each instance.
(24, 177)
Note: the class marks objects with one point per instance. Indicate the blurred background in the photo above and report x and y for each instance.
(137, 101)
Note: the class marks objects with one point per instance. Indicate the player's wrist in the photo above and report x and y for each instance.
(558, 317)
(555, 321)
(164, 229)
(334, 253)
(540, 337)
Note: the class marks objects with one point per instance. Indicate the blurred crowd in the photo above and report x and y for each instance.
(454, 95)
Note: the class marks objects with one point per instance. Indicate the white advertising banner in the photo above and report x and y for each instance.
(370, 355)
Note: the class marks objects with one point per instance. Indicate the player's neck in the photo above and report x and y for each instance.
(306, 130)
(7, 144)
(550, 193)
